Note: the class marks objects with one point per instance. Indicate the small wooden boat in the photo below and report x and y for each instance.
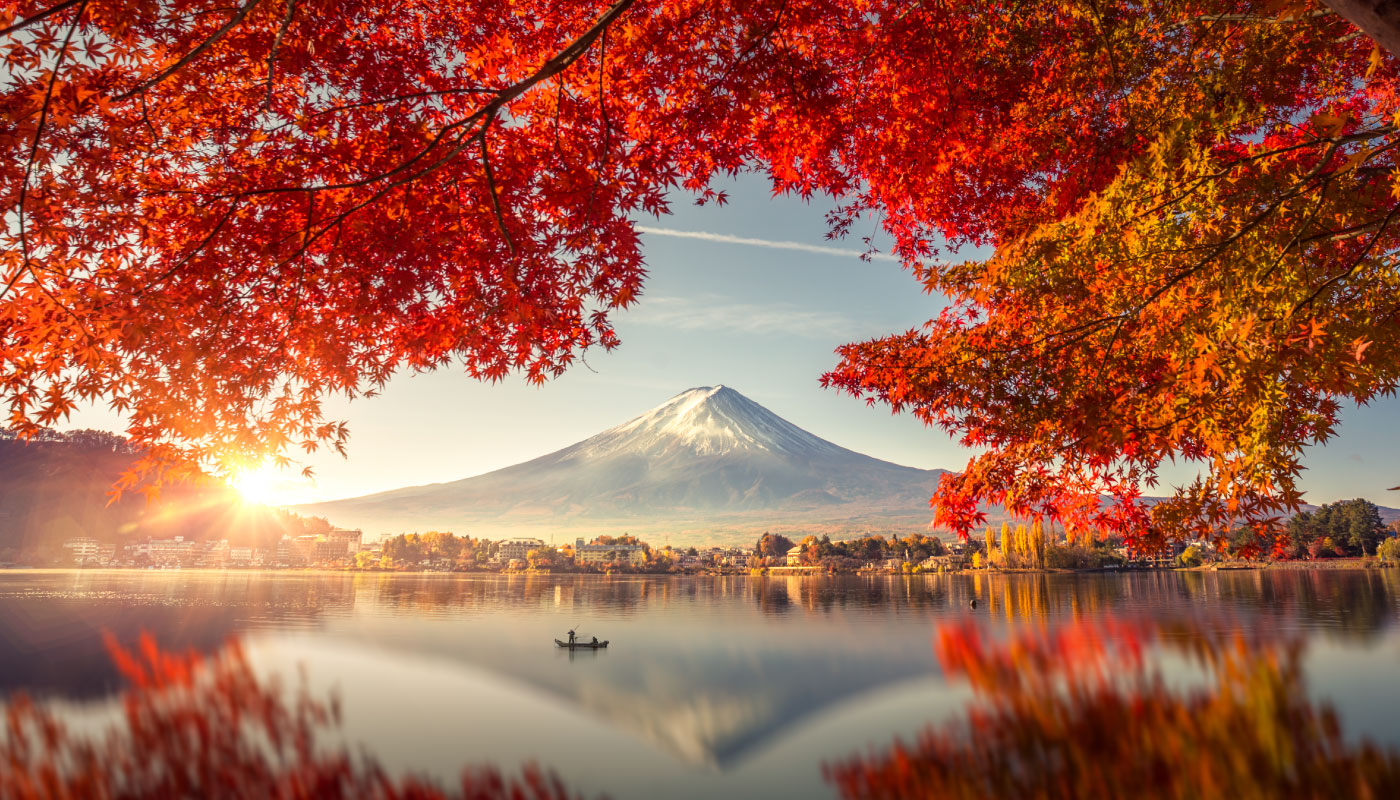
(581, 645)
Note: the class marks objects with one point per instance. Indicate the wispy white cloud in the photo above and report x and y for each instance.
(716, 313)
(725, 238)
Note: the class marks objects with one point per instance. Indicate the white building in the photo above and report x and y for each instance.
(82, 549)
(794, 556)
(170, 551)
(608, 553)
(517, 548)
(353, 539)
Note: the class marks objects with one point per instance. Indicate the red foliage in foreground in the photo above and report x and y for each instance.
(209, 727)
(1076, 713)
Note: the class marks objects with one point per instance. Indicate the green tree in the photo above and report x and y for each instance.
(1364, 529)
(772, 546)
(1301, 533)
(1190, 557)
(1389, 549)
(404, 549)
(367, 560)
(1353, 526)
(441, 545)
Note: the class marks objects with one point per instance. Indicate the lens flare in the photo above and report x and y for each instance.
(257, 486)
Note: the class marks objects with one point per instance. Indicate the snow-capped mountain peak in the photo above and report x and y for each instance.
(708, 456)
(705, 421)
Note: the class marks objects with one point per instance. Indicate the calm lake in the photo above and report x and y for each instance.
(711, 687)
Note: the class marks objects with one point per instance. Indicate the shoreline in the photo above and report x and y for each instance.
(1338, 564)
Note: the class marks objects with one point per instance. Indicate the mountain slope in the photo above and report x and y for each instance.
(707, 458)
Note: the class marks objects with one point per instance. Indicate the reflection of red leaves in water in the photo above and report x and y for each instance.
(1097, 651)
(208, 727)
(1078, 713)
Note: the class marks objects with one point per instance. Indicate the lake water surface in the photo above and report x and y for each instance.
(711, 687)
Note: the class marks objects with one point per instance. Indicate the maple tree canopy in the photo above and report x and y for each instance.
(219, 214)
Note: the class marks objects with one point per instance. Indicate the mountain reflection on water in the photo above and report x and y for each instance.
(767, 687)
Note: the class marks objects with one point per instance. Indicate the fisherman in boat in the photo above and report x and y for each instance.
(571, 638)
(595, 641)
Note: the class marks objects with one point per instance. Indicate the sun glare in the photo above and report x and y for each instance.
(257, 486)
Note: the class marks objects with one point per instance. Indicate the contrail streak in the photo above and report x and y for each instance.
(776, 245)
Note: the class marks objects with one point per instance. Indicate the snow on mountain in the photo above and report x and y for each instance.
(706, 421)
(707, 458)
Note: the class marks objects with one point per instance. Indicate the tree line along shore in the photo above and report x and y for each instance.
(1344, 534)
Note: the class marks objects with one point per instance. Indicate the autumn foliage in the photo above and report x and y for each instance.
(220, 214)
(1078, 712)
(1192, 206)
(196, 726)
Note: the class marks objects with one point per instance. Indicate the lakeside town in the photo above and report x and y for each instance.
(1349, 531)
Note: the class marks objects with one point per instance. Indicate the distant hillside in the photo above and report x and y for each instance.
(48, 489)
(55, 488)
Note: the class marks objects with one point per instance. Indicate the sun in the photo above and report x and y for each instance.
(257, 486)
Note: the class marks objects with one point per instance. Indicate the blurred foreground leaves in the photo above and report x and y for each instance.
(209, 727)
(1081, 711)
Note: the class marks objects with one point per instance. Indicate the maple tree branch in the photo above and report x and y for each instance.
(1215, 251)
(607, 139)
(491, 187)
(919, 6)
(146, 117)
(26, 265)
(602, 112)
(1350, 232)
(224, 218)
(752, 47)
(550, 68)
(1108, 51)
(301, 274)
(1108, 349)
(1334, 142)
(1219, 248)
(42, 15)
(558, 111)
(1252, 18)
(1355, 264)
(398, 98)
(1297, 241)
(561, 61)
(1085, 330)
(276, 45)
(1378, 19)
(1258, 220)
(233, 22)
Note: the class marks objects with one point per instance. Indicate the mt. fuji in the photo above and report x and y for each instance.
(708, 461)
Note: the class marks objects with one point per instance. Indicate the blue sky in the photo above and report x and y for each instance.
(761, 319)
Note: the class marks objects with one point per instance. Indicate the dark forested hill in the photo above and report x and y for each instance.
(54, 488)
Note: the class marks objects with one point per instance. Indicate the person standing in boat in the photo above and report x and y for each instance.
(571, 638)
